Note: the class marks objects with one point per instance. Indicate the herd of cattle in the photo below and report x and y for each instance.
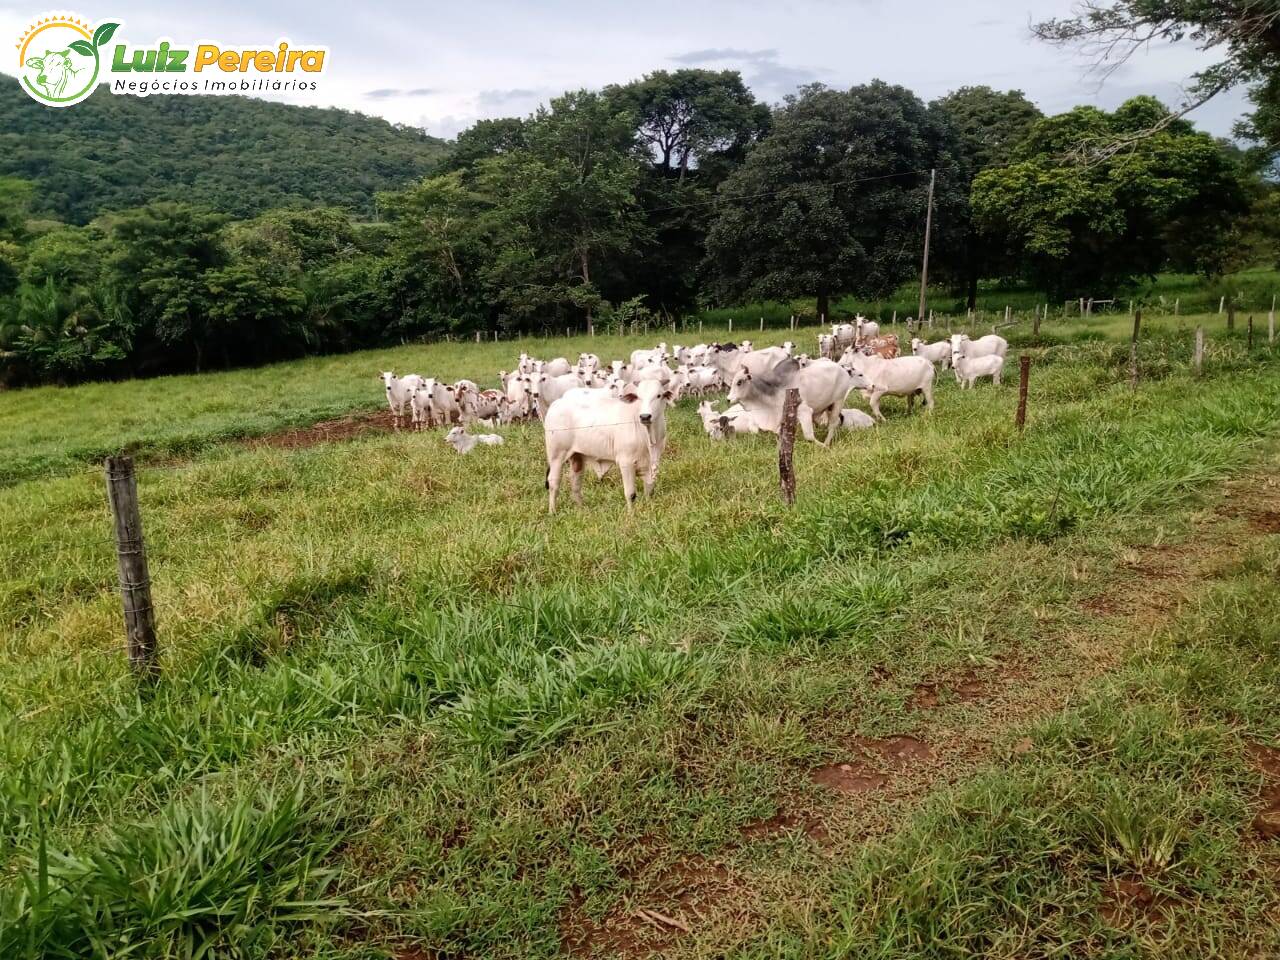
(596, 416)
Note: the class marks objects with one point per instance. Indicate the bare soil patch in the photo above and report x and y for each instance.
(1126, 899)
(326, 431)
(855, 777)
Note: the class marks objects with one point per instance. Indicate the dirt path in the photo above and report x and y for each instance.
(961, 724)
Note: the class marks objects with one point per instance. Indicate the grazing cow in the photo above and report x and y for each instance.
(969, 369)
(598, 430)
(938, 352)
(464, 443)
(823, 385)
(399, 394)
(991, 344)
(899, 377)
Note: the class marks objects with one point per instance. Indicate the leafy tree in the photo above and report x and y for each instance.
(160, 253)
(685, 117)
(564, 207)
(833, 200)
(1243, 33)
(439, 249)
(487, 138)
(988, 125)
(1076, 228)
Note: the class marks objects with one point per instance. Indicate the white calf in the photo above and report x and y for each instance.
(899, 377)
(464, 443)
(399, 394)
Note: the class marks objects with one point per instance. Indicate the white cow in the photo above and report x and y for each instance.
(399, 394)
(899, 377)
(557, 367)
(647, 358)
(589, 361)
(827, 345)
(598, 430)
(938, 352)
(823, 385)
(519, 394)
(990, 345)
(551, 389)
(464, 443)
(854, 419)
(969, 369)
(844, 335)
(866, 329)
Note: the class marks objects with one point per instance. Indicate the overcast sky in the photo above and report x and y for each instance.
(443, 65)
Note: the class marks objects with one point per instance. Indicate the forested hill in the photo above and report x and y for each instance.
(236, 155)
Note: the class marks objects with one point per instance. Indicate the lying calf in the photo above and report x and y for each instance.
(464, 443)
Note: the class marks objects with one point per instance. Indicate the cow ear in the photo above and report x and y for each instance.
(36, 62)
(629, 395)
(668, 396)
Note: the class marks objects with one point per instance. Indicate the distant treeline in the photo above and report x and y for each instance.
(642, 201)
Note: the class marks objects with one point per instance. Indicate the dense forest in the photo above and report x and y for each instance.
(275, 231)
(236, 155)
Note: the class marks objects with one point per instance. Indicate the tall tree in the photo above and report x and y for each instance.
(833, 200)
(686, 117)
(988, 126)
(1090, 228)
(565, 206)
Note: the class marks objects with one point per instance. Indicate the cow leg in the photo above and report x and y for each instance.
(911, 402)
(628, 470)
(554, 465)
(833, 425)
(804, 416)
(575, 477)
(651, 473)
(874, 403)
(927, 390)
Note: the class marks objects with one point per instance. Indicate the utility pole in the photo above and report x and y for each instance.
(928, 229)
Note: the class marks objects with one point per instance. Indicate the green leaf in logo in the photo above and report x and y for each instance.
(104, 33)
(82, 47)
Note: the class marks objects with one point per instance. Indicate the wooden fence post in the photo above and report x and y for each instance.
(1198, 360)
(1035, 323)
(1133, 350)
(1024, 377)
(1176, 304)
(1221, 302)
(131, 559)
(1250, 341)
(786, 446)
(1231, 315)
(762, 324)
(731, 324)
(1271, 326)
(1006, 313)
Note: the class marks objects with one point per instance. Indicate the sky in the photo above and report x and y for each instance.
(442, 66)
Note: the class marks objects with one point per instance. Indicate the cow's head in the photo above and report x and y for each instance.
(742, 385)
(55, 70)
(651, 396)
(387, 377)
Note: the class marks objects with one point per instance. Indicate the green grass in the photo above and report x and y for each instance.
(401, 705)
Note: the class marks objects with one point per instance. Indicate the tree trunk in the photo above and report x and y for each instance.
(824, 306)
(971, 290)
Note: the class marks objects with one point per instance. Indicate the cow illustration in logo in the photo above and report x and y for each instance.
(67, 70)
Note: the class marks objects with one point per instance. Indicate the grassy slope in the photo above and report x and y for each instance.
(508, 732)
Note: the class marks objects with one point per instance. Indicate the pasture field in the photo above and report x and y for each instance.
(975, 694)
